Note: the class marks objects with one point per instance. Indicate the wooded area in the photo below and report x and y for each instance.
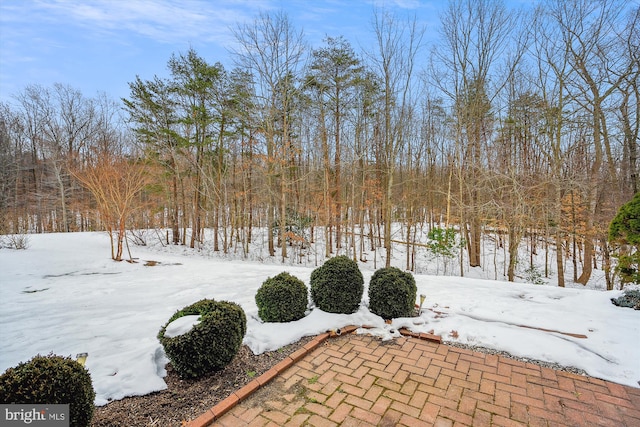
(521, 124)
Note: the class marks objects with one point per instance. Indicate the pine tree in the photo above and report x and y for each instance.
(625, 231)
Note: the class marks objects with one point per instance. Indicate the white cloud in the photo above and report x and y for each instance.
(166, 21)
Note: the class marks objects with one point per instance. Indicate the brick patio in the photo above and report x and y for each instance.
(357, 380)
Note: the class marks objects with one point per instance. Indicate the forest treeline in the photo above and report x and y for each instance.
(519, 123)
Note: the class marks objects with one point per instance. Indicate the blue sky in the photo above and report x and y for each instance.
(101, 45)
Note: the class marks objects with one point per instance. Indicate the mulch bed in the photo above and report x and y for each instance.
(184, 400)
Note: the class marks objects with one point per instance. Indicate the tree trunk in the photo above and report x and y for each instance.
(559, 258)
(388, 213)
(283, 220)
(514, 240)
(587, 267)
(197, 194)
(216, 229)
(175, 227)
(271, 205)
(337, 191)
(608, 273)
(328, 247)
(475, 236)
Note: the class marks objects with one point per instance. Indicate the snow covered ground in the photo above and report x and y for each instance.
(64, 295)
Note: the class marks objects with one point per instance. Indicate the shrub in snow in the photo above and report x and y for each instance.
(14, 241)
(210, 344)
(337, 285)
(282, 298)
(392, 293)
(52, 380)
(631, 298)
(533, 275)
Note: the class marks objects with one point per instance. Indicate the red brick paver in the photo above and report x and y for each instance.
(358, 380)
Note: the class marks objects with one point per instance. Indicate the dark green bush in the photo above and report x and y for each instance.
(52, 380)
(282, 298)
(337, 286)
(624, 234)
(392, 293)
(211, 344)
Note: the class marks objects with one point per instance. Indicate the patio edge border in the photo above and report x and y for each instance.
(221, 408)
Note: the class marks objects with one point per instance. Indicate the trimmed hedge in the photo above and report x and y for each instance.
(282, 298)
(392, 293)
(211, 344)
(53, 380)
(337, 285)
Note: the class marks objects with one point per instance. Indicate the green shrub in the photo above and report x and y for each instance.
(624, 234)
(392, 293)
(442, 241)
(52, 380)
(211, 344)
(282, 298)
(533, 275)
(337, 286)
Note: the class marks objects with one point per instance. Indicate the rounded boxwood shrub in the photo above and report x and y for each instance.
(51, 380)
(337, 285)
(211, 344)
(392, 293)
(282, 298)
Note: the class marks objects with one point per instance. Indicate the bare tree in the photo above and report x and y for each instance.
(551, 77)
(272, 50)
(629, 108)
(11, 153)
(589, 31)
(60, 125)
(397, 47)
(479, 52)
(114, 181)
(33, 109)
(69, 130)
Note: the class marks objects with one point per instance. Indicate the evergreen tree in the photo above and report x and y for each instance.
(625, 230)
